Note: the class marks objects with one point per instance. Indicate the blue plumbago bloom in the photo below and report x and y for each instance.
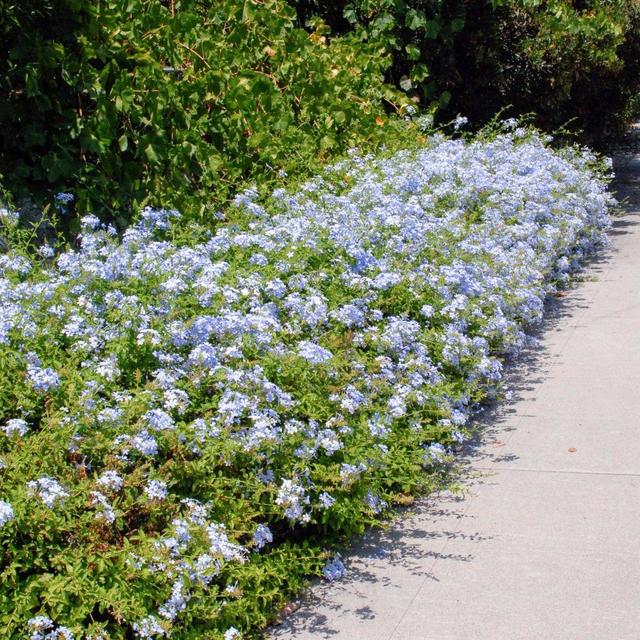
(108, 368)
(334, 569)
(181, 528)
(326, 500)
(46, 251)
(437, 452)
(43, 380)
(458, 417)
(425, 121)
(294, 499)
(38, 626)
(110, 415)
(8, 216)
(104, 509)
(259, 259)
(328, 440)
(350, 315)
(266, 477)
(221, 545)
(17, 426)
(262, 536)
(427, 310)
(379, 426)
(150, 627)
(352, 399)
(232, 634)
(64, 198)
(110, 481)
(374, 503)
(6, 513)
(156, 490)
(177, 602)
(204, 355)
(62, 201)
(460, 121)
(158, 420)
(145, 443)
(90, 222)
(313, 353)
(197, 511)
(176, 400)
(349, 473)
(50, 491)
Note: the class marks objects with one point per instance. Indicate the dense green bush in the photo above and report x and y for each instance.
(581, 61)
(562, 60)
(130, 102)
(134, 102)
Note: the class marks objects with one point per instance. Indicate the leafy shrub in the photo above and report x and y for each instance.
(190, 422)
(561, 60)
(581, 62)
(134, 102)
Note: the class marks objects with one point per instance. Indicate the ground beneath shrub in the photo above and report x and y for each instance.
(544, 542)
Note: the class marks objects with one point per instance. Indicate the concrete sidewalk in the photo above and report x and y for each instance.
(546, 542)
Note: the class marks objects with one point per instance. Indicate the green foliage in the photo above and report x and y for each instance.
(581, 61)
(419, 33)
(134, 102)
(178, 103)
(561, 60)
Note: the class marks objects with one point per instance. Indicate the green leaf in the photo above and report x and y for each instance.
(151, 154)
(432, 29)
(413, 52)
(405, 83)
(445, 98)
(415, 20)
(419, 72)
(457, 24)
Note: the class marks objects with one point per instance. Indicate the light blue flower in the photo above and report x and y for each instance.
(334, 569)
(313, 353)
(262, 536)
(6, 513)
(156, 490)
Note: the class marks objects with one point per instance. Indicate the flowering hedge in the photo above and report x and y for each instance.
(190, 424)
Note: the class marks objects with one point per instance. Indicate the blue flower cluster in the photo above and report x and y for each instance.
(219, 394)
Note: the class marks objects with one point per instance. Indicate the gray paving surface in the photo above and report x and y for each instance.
(545, 542)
